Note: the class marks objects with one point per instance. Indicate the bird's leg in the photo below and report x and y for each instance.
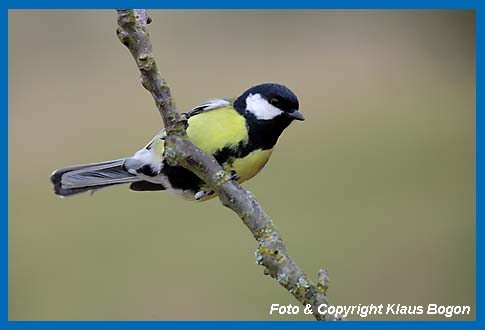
(203, 193)
(234, 176)
(184, 117)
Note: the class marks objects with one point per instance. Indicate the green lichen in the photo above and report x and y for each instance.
(302, 282)
(145, 61)
(164, 84)
(265, 250)
(131, 18)
(322, 288)
(262, 251)
(265, 232)
(220, 177)
(282, 278)
(278, 256)
(169, 153)
(123, 37)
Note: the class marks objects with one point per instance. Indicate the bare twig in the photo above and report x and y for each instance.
(271, 253)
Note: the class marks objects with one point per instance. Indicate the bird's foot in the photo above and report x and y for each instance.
(203, 193)
(184, 118)
(234, 176)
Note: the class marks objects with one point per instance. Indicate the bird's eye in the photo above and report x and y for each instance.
(275, 102)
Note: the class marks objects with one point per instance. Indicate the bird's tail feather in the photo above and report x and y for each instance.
(73, 180)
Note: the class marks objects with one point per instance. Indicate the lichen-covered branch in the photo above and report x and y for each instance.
(133, 33)
(271, 253)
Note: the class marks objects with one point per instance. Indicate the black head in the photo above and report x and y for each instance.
(269, 109)
(269, 101)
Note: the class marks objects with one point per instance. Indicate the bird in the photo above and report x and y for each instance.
(239, 133)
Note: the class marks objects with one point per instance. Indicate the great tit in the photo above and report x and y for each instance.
(239, 133)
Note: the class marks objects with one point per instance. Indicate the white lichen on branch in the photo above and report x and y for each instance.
(271, 252)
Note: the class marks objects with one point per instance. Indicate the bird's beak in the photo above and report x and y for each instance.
(295, 114)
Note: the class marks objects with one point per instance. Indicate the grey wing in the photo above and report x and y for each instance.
(207, 106)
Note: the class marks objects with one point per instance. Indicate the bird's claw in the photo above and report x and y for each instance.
(234, 176)
(203, 193)
(184, 118)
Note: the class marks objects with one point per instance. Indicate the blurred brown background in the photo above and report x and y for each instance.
(377, 185)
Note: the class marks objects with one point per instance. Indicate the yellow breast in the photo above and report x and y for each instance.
(250, 165)
(224, 127)
(246, 167)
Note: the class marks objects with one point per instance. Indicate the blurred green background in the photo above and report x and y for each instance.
(377, 185)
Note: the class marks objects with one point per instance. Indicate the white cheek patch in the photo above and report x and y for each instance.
(261, 108)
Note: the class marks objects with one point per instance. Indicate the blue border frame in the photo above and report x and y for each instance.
(247, 4)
